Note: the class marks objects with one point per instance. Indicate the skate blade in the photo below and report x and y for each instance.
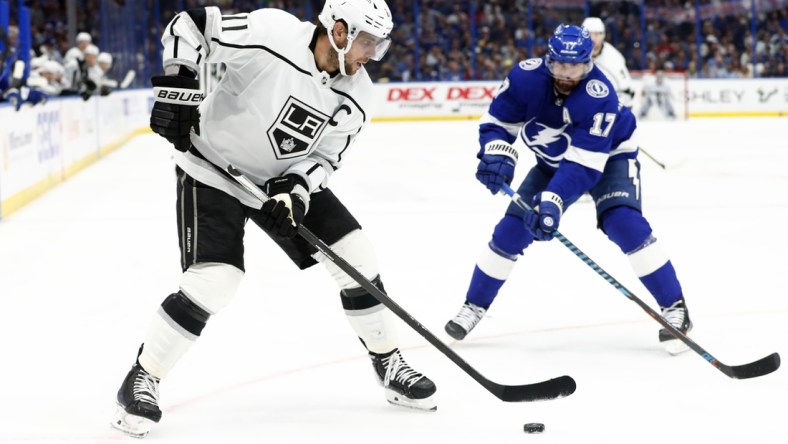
(446, 339)
(132, 425)
(426, 404)
(675, 347)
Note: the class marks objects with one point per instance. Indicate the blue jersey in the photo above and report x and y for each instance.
(573, 135)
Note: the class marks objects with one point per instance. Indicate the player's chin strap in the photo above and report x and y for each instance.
(340, 52)
(761, 367)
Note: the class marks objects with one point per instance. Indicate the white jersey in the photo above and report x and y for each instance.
(96, 74)
(273, 112)
(614, 66)
(72, 76)
(38, 81)
(73, 54)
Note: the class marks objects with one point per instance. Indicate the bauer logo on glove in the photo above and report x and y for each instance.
(178, 96)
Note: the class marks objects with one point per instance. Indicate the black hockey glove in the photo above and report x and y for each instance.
(175, 113)
(284, 211)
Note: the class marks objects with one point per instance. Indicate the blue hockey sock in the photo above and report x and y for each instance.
(663, 285)
(511, 237)
(632, 233)
(626, 227)
(483, 288)
(496, 262)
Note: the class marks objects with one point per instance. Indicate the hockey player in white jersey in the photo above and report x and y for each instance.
(610, 61)
(292, 101)
(658, 94)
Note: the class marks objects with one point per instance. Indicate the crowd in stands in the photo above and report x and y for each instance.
(722, 49)
(442, 45)
(54, 69)
(436, 40)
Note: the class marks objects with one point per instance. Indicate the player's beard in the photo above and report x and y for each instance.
(355, 66)
(332, 61)
(565, 87)
(351, 68)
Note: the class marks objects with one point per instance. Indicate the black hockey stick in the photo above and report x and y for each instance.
(661, 165)
(541, 391)
(754, 369)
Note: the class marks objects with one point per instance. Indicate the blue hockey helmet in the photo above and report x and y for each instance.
(571, 45)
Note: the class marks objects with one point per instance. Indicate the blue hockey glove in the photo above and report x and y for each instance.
(37, 97)
(13, 96)
(496, 165)
(543, 222)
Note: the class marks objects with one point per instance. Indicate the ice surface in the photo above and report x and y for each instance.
(83, 269)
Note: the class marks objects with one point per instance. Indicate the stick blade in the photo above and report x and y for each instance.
(556, 388)
(761, 367)
(130, 75)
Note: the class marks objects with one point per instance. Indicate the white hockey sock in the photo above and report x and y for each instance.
(648, 258)
(375, 326)
(165, 343)
(496, 263)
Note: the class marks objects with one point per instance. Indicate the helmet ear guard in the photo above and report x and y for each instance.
(360, 16)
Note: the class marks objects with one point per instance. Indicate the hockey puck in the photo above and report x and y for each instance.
(533, 427)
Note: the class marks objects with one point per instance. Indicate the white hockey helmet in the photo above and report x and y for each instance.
(104, 57)
(594, 24)
(370, 16)
(84, 37)
(92, 50)
(52, 67)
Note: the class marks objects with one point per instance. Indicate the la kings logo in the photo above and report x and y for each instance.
(296, 129)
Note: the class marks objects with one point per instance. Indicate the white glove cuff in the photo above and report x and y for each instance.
(501, 148)
(554, 198)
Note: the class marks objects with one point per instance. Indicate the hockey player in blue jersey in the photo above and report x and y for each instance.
(567, 112)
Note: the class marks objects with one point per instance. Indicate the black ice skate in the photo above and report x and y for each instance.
(404, 386)
(677, 316)
(138, 403)
(462, 324)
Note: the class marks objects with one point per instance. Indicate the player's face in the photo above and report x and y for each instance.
(365, 47)
(568, 71)
(599, 39)
(566, 76)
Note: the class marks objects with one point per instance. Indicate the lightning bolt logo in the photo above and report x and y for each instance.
(546, 135)
(546, 138)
